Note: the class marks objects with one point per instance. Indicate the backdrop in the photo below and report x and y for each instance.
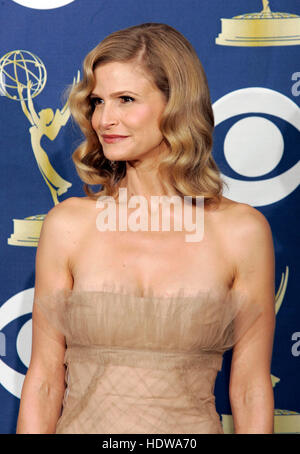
(253, 68)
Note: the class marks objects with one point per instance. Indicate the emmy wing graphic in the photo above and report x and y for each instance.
(265, 28)
(23, 77)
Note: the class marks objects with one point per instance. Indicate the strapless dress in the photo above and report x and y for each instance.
(144, 364)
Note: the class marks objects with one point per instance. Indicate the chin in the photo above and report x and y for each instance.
(120, 156)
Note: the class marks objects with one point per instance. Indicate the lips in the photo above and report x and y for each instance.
(113, 138)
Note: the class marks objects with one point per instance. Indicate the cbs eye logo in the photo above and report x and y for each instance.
(14, 308)
(254, 146)
(45, 4)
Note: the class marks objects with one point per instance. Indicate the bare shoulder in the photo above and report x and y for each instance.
(61, 233)
(241, 219)
(62, 222)
(65, 206)
(252, 222)
(247, 236)
(66, 211)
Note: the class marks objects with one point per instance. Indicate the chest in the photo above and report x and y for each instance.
(161, 260)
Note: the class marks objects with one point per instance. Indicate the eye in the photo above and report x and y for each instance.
(94, 102)
(127, 99)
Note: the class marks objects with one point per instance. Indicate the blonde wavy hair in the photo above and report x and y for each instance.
(187, 122)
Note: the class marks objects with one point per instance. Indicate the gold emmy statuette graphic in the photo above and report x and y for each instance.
(23, 77)
(285, 421)
(265, 28)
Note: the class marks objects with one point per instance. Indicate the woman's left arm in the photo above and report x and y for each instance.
(250, 388)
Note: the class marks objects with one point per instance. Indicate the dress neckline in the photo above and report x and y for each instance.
(149, 293)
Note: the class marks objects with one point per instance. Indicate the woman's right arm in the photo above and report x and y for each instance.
(43, 387)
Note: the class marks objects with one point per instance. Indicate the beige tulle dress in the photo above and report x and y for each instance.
(144, 364)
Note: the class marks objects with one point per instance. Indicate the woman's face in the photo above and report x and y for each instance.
(126, 103)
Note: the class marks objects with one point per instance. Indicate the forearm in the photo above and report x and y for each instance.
(40, 407)
(253, 412)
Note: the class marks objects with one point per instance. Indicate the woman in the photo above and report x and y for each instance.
(142, 318)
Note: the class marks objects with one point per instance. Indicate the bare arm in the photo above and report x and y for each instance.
(250, 389)
(44, 387)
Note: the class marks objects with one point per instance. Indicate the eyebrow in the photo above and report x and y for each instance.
(116, 93)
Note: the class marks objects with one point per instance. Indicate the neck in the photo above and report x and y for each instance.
(142, 178)
(142, 181)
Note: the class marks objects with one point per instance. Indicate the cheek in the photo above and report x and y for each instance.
(94, 121)
(143, 117)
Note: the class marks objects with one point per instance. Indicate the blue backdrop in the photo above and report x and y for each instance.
(255, 93)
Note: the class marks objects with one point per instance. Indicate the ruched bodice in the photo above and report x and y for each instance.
(144, 364)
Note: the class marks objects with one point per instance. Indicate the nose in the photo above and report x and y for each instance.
(107, 116)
